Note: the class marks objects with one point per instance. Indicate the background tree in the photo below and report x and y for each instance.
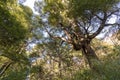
(15, 25)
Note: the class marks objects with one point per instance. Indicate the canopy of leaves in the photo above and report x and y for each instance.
(14, 22)
(52, 58)
(67, 10)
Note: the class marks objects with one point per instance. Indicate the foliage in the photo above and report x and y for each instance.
(59, 44)
(108, 71)
(15, 72)
(15, 24)
(65, 11)
(79, 22)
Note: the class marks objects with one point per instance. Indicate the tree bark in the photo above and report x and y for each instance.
(89, 55)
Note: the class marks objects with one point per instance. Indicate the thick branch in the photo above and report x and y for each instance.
(67, 34)
(57, 37)
(100, 27)
(66, 31)
(97, 32)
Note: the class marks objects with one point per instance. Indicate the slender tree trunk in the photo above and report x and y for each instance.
(4, 67)
(59, 66)
(89, 54)
(28, 74)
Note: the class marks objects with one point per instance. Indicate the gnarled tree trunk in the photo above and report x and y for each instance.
(89, 54)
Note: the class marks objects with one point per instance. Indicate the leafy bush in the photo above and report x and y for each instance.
(107, 70)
